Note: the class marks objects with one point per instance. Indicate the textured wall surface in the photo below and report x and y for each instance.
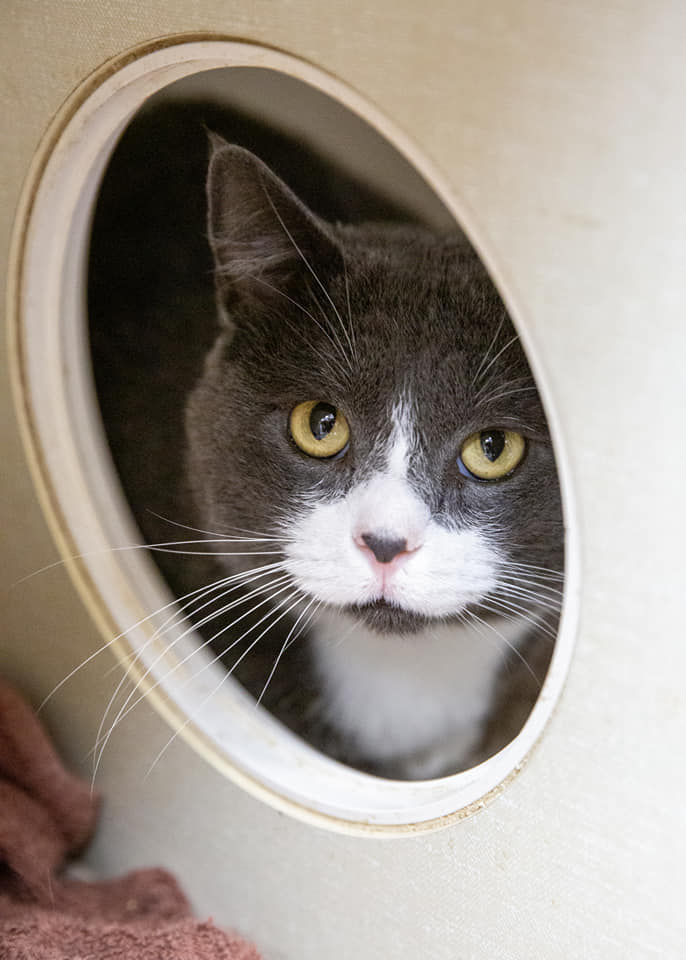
(560, 127)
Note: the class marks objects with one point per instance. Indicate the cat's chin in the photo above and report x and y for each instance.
(387, 618)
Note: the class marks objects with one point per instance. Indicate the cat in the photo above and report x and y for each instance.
(367, 453)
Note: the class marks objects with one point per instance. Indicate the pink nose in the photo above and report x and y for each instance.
(385, 549)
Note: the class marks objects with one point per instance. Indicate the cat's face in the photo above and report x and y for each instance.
(369, 406)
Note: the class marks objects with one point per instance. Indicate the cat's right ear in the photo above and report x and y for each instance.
(268, 247)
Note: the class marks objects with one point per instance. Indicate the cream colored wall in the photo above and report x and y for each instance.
(561, 128)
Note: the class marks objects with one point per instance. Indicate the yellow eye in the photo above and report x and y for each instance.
(319, 429)
(491, 454)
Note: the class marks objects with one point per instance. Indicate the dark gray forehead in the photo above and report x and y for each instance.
(426, 321)
(408, 316)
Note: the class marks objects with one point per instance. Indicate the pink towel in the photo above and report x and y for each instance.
(46, 814)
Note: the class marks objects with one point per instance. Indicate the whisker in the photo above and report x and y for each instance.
(320, 604)
(504, 384)
(173, 621)
(494, 397)
(158, 548)
(219, 685)
(530, 567)
(516, 578)
(351, 325)
(340, 640)
(121, 635)
(326, 317)
(515, 590)
(210, 533)
(241, 580)
(223, 653)
(308, 265)
(287, 643)
(552, 608)
(218, 553)
(499, 354)
(513, 583)
(127, 706)
(518, 612)
(508, 390)
(507, 642)
(490, 347)
(336, 344)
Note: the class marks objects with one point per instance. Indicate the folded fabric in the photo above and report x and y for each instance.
(47, 815)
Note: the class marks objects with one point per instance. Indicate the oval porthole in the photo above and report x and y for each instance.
(281, 394)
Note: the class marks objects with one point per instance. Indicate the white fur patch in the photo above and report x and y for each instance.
(395, 696)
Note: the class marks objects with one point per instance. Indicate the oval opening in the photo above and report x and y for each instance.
(120, 337)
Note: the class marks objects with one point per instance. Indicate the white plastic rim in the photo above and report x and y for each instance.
(86, 510)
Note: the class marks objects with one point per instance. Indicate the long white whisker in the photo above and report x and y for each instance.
(336, 344)
(219, 553)
(515, 579)
(286, 645)
(309, 267)
(499, 354)
(351, 325)
(211, 533)
(530, 567)
(519, 593)
(507, 643)
(135, 656)
(538, 622)
(293, 639)
(486, 355)
(138, 623)
(240, 580)
(221, 683)
(161, 548)
(325, 315)
(539, 591)
(494, 397)
(168, 624)
(127, 706)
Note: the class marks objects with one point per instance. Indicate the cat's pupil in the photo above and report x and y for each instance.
(322, 419)
(492, 443)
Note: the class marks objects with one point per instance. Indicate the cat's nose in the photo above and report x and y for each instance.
(384, 548)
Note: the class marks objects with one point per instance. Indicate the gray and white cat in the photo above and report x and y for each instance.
(367, 452)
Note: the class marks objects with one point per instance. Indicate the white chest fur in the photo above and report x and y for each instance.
(400, 695)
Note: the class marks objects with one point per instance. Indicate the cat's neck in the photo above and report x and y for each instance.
(422, 695)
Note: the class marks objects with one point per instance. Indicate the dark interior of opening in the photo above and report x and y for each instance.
(152, 323)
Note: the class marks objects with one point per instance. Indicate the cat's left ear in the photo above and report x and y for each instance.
(266, 243)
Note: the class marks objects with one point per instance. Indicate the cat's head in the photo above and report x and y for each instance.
(369, 406)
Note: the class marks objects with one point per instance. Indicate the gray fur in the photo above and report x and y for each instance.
(422, 314)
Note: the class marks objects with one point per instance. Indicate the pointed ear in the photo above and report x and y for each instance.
(266, 243)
